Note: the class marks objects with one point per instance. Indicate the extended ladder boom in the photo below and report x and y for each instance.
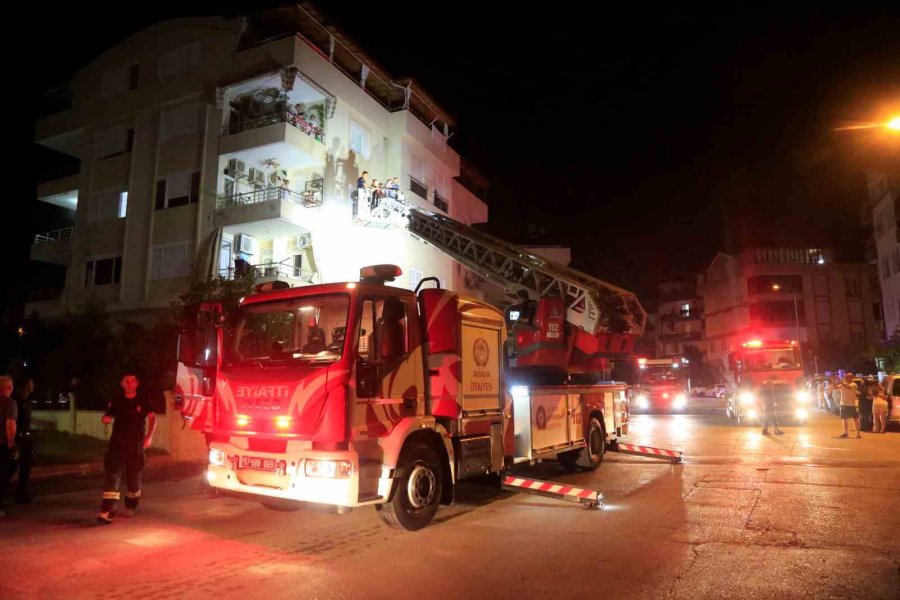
(591, 304)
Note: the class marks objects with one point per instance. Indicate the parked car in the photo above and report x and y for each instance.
(892, 388)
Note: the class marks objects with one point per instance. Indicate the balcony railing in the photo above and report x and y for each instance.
(271, 271)
(418, 188)
(390, 209)
(39, 295)
(441, 203)
(309, 198)
(53, 236)
(240, 123)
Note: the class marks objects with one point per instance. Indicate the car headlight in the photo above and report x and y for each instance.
(803, 396)
(680, 401)
(802, 414)
(751, 414)
(746, 398)
(642, 401)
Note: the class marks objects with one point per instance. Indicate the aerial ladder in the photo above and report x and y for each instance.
(570, 322)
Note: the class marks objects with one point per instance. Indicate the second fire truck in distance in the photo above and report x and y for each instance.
(761, 368)
(663, 384)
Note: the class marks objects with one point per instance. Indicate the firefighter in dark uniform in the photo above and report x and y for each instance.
(768, 402)
(130, 437)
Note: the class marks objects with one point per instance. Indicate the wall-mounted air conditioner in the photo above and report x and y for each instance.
(247, 244)
(236, 168)
(257, 176)
(301, 242)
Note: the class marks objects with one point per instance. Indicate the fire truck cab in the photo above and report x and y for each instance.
(663, 384)
(766, 368)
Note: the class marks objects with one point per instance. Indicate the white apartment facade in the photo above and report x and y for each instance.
(203, 138)
(884, 197)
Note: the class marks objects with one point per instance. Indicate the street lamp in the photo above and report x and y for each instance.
(777, 287)
(892, 124)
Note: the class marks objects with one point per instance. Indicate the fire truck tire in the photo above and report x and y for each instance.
(591, 456)
(417, 492)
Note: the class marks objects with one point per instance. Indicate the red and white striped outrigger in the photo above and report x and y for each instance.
(673, 456)
(589, 498)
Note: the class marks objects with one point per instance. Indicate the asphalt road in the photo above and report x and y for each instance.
(804, 515)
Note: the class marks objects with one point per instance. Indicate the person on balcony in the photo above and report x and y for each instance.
(285, 189)
(394, 188)
(377, 194)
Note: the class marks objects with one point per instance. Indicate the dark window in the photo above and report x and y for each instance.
(160, 194)
(179, 201)
(440, 203)
(779, 312)
(133, 76)
(195, 187)
(103, 271)
(418, 188)
(129, 144)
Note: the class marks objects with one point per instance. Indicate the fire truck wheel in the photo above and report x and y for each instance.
(417, 492)
(592, 455)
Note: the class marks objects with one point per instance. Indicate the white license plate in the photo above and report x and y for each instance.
(258, 463)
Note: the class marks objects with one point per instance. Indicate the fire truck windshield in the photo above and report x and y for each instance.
(656, 375)
(276, 333)
(769, 359)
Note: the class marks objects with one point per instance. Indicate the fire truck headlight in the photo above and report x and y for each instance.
(642, 401)
(333, 469)
(216, 457)
(802, 414)
(746, 398)
(751, 415)
(803, 396)
(680, 402)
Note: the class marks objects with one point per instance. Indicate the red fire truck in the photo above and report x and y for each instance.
(359, 393)
(766, 367)
(663, 384)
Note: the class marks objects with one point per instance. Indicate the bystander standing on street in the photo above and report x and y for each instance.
(849, 403)
(866, 395)
(879, 410)
(24, 440)
(8, 412)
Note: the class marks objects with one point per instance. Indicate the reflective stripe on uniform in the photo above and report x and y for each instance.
(110, 495)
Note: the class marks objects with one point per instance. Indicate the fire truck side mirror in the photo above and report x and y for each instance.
(198, 339)
(366, 379)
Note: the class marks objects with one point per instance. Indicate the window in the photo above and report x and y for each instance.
(179, 121)
(685, 310)
(359, 140)
(179, 189)
(181, 59)
(853, 287)
(113, 141)
(111, 204)
(382, 330)
(103, 271)
(171, 261)
(118, 80)
(815, 255)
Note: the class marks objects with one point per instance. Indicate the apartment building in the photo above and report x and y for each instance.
(679, 314)
(786, 293)
(883, 247)
(205, 140)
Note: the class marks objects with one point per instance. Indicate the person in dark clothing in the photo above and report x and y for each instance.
(770, 416)
(8, 411)
(24, 440)
(129, 414)
(866, 396)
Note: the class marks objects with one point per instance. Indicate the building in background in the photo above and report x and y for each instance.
(679, 315)
(207, 140)
(788, 294)
(881, 216)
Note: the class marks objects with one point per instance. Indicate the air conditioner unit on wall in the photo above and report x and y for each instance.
(300, 242)
(257, 176)
(247, 244)
(236, 168)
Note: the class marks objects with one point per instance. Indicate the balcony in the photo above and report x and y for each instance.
(281, 136)
(53, 246)
(684, 336)
(680, 316)
(389, 210)
(266, 272)
(274, 209)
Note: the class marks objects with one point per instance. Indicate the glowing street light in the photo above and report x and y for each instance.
(892, 125)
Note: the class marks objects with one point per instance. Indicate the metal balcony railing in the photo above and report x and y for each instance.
(309, 198)
(53, 236)
(268, 271)
(441, 203)
(240, 123)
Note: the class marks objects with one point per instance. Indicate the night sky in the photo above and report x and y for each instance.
(630, 134)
